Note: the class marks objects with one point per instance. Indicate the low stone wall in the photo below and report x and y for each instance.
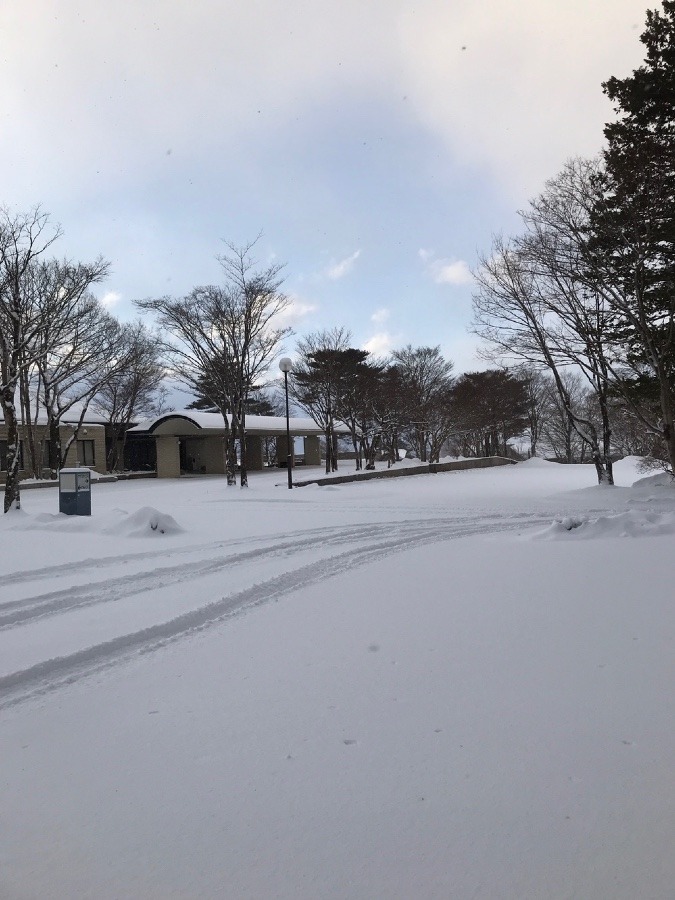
(482, 462)
(99, 479)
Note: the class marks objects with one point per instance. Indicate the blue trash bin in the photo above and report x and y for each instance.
(75, 492)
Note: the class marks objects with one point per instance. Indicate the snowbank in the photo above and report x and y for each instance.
(145, 522)
(634, 523)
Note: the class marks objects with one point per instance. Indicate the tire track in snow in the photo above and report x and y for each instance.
(20, 612)
(51, 674)
(74, 568)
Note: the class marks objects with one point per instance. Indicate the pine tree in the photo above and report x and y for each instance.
(633, 224)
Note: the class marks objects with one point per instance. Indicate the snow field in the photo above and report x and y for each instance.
(393, 689)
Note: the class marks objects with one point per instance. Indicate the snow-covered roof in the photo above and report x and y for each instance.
(190, 421)
(38, 413)
(72, 417)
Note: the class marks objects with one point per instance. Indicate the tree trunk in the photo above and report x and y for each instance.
(114, 453)
(334, 453)
(243, 471)
(34, 465)
(371, 452)
(54, 448)
(668, 429)
(357, 449)
(12, 490)
(606, 437)
(329, 449)
(231, 457)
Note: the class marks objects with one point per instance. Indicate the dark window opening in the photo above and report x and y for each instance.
(85, 453)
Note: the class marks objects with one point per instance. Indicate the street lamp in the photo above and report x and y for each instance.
(286, 366)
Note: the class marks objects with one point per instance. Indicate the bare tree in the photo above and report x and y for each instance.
(536, 389)
(530, 305)
(24, 237)
(558, 434)
(255, 300)
(76, 347)
(426, 377)
(129, 391)
(225, 337)
(195, 348)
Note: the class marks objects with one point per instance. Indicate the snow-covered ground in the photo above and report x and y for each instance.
(447, 686)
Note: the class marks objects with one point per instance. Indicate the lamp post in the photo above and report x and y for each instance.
(286, 366)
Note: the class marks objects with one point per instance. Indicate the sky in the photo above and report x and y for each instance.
(376, 146)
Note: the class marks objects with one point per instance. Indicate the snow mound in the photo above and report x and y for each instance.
(660, 480)
(658, 489)
(144, 522)
(634, 523)
(630, 461)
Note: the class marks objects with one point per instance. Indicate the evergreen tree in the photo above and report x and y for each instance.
(316, 382)
(490, 407)
(633, 223)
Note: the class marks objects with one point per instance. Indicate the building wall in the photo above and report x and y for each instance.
(94, 433)
(212, 455)
(168, 457)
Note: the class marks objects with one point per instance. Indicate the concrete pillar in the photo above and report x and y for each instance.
(254, 453)
(211, 456)
(168, 457)
(282, 451)
(312, 451)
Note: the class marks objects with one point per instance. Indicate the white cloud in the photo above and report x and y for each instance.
(297, 310)
(514, 85)
(380, 344)
(342, 268)
(511, 85)
(380, 316)
(112, 298)
(445, 271)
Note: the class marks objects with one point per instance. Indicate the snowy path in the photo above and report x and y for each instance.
(59, 652)
(387, 691)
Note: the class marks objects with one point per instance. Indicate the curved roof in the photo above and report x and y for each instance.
(193, 421)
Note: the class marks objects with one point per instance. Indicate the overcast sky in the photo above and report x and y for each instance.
(377, 144)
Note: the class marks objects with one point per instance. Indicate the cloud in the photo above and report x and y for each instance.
(110, 299)
(508, 85)
(297, 310)
(380, 316)
(513, 86)
(338, 270)
(380, 344)
(445, 271)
